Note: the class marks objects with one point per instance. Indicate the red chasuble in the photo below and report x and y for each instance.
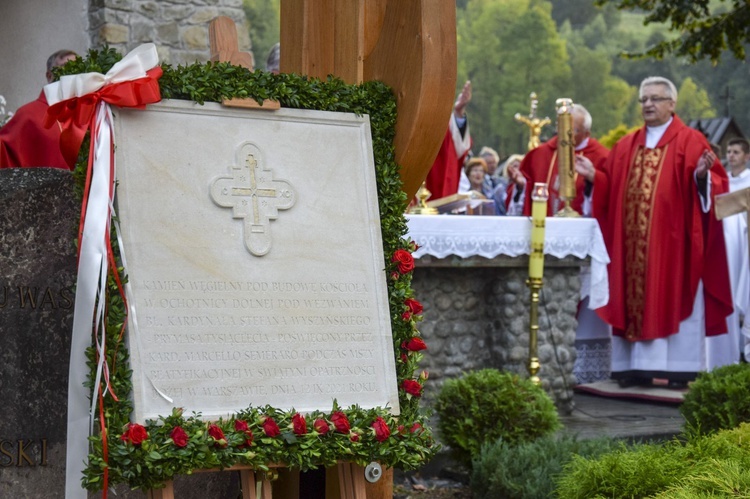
(445, 174)
(660, 242)
(540, 165)
(24, 141)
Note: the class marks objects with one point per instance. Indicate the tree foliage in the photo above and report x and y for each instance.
(704, 28)
(263, 18)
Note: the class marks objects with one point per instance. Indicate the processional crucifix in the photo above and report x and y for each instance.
(535, 124)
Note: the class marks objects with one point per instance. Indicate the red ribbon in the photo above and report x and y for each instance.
(77, 114)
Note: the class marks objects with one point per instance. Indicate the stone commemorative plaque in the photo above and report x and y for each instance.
(254, 255)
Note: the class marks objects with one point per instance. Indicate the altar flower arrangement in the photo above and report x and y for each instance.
(256, 436)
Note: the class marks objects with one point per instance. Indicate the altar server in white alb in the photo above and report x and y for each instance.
(725, 349)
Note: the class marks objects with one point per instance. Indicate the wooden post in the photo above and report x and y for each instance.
(408, 44)
(222, 35)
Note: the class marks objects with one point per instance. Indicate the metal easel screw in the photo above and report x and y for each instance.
(373, 472)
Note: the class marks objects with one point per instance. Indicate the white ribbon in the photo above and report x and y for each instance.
(131, 67)
(93, 263)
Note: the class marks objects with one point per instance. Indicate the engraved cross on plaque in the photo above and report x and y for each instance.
(254, 196)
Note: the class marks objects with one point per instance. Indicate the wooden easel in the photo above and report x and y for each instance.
(346, 481)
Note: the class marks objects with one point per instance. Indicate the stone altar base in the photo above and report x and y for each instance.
(477, 316)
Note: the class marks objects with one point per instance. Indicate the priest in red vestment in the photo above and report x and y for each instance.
(668, 278)
(24, 142)
(540, 165)
(445, 174)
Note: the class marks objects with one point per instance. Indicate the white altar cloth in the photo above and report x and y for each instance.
(465, 236)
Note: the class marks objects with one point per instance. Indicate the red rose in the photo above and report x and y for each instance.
(299, 425)
(340, 422)
(270, 427)
(321, 426)
(178, 436)
(404, 358)
(414, 344)
(240, 425)
(406, 315)
(412, 387)
(404, 260)
(354, 437)
(416, 427)
(217, 434)
(415, 307)
(382, 432)
(401, 429)
(134, 433)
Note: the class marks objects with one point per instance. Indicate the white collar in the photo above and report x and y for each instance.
(583, 144)
(655, 133)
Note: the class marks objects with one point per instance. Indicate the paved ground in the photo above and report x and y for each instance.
(595, 416)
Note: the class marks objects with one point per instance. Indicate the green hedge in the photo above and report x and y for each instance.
(486, 405)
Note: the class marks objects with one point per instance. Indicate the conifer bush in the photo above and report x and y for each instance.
(528, 470)
(703, 466)
(718, 400)
(488, 404)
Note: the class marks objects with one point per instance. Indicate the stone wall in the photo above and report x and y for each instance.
(478, 317)
(179, 28)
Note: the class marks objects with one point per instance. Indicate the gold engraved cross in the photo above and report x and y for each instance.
(254, 196)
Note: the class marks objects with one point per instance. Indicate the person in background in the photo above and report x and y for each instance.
(726, 349)
(494, 182)
(273, 59)
(447, 169)
(24, 142)
(540, 165)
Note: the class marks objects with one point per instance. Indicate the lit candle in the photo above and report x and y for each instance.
(539, 196)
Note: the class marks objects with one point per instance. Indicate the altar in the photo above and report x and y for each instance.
(471, 276)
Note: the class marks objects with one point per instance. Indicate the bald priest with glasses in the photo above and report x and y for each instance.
(669, 284)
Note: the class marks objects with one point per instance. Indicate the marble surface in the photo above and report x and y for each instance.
(253, 249)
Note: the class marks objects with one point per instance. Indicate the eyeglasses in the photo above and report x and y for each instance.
(655, 100)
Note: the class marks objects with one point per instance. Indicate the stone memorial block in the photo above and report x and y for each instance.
(38, 224)
(255, 260)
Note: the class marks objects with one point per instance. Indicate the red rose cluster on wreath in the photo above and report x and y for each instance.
(134, 433)
(179, 436)
(242, 426)
(404, 262)
(413, 308)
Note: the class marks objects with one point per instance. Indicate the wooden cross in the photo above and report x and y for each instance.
(254, 197)
(733, 203)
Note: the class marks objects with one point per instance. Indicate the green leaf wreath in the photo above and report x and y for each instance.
(145, 457)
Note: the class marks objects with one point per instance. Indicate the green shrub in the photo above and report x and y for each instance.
(528, 470)
(647, 470)
(719, 478)
(486, 405)
(718, 400)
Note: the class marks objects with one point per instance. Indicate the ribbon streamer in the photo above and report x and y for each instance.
(80, 103)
